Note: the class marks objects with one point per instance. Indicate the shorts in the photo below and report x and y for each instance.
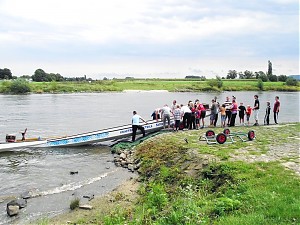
(203, 114)
(197, 120)
(223, 118)
(212, 116)
(248, 117)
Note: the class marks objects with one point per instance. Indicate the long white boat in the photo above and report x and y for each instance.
(84, 138)
(101, 135)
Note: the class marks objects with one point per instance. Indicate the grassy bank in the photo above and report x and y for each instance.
(190, 182)
(173, 85)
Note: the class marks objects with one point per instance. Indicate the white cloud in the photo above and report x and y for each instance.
(172, 34)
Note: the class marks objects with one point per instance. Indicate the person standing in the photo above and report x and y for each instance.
(228, 110)
(174, 106)
(223, 115)
(177, 117)
(267, 115)
(165, 115)
(213, 112)
(186, 114)
(248, 113)
(256, 109)
(242, 111)
(234, 109)
(136, 125)
(202, 110)
(276, 109)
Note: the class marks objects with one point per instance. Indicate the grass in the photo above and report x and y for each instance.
(197, 183)
(173, 85)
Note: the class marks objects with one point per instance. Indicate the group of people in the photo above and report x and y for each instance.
(192, 115)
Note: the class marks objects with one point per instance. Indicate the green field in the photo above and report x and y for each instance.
(172, 85)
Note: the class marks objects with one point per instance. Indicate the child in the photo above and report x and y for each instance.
(223, 115)
(267, 116)
(177, 117)
(242, 111)
(248, 114)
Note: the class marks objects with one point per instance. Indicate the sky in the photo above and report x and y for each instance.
(149, 38)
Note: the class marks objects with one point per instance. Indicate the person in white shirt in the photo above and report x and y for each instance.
(186, 114)
(136, 125)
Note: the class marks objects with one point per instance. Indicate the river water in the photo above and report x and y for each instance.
(45, 172)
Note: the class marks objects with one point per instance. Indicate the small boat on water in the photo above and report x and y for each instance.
(11, 142)
(79, 139)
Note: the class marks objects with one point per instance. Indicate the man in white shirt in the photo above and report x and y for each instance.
(136, 125)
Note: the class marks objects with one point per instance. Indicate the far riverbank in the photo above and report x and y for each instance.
(171, 85)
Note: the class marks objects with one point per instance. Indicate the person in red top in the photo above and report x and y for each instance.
(248, 113)
(234, 110)
(276, 109)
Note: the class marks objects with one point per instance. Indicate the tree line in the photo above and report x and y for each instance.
(40, 76)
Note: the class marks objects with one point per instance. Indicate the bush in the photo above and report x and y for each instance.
(74, 203)
(273, 78)
(291, 82)
(215, 82)
(260, 84)
(282, 78)
(20, 86)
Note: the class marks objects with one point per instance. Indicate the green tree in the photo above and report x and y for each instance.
(232, 74)
(261, 75)
(39, 76)
(270, 72)
(282, 78)
(5, 74)
(273, 78)
(248, 74)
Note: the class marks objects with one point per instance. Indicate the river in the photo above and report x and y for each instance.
(45, 172)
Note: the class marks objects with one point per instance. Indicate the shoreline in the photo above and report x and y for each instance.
(125, 194)
(121, 196)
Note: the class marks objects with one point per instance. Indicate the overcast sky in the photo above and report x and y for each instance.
(149, 38)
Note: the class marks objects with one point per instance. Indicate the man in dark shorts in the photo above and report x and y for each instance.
(228, 110)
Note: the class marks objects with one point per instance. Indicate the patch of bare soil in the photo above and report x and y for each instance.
(288, 155)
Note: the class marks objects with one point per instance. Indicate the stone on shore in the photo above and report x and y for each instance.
(12, 210)
(87, 207)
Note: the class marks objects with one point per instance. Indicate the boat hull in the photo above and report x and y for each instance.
(101, 135)
(17, 145)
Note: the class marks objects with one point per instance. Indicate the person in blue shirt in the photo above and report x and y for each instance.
(136, 125)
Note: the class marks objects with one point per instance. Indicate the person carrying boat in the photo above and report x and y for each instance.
(136, 125)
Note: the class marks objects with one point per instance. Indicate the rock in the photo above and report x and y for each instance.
(21, 203)
(12, 210)
(108, 167)
(26, 195)
(87, 207)
(90, 197)
(131, 167)
(122, 156)
(73, 172)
